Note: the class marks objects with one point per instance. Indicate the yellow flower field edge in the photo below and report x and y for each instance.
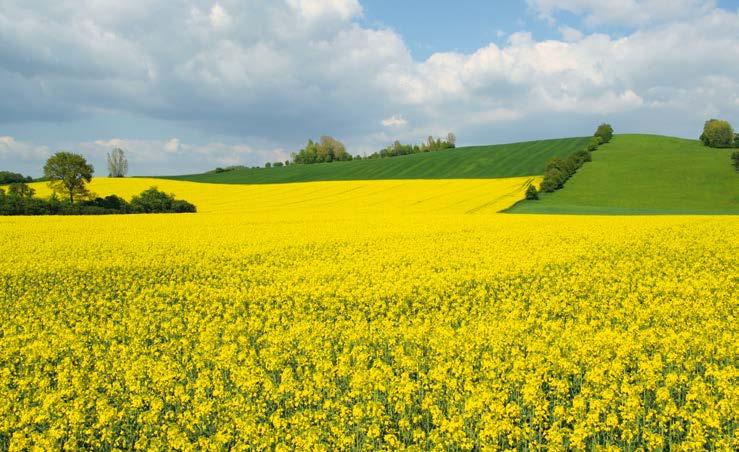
(306, 324)
(452, 196)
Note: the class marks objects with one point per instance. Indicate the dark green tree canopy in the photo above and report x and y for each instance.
(69, 173)
(7, 177)
(605, 132)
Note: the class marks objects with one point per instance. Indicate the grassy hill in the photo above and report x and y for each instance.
(647, 174)
(476, 162)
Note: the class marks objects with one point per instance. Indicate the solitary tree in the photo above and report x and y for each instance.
(117, 163)
(451, 139)
(605, 132)
(717, 134)
(68, 172)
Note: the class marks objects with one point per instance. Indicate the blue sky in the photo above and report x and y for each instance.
(187, 86)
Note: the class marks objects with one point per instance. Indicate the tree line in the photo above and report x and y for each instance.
(558, 170)
(68, 174)
(431, 145)
(328, 149)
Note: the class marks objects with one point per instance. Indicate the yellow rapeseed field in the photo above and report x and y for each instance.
(367, 315)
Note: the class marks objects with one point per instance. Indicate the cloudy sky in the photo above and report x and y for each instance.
(188, 85)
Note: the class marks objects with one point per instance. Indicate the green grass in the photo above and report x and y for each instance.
(476, 162)
(647, 174)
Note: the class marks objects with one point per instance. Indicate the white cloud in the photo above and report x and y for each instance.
(316, 9)
(172, 146)
(394, 121)
(624, 12)
(154, 157)
(219, 18)
(12, 149)
(570, 34)
(272, 74)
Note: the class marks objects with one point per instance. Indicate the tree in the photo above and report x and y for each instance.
(328, 149)
(717, 134)
(21, 190)
(605, 132)
(7, 177)
(735, 158)
(268, 165)
(155, 201)
(117, 163)
(451, 139)
(68, 172)
(532, 194)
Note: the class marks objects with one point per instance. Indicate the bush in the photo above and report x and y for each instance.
(594, 143)
(112, 202)
(532, 194)
(736, 140)
(553, 180)
(155, 201)
(268, 165)
(735, 158)
(717, 134)
(604, 132)
(277, 164)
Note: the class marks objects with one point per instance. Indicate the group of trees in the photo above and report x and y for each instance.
(69, 173)
(6, 177)
(20, 200)
(327, 149)
(432, 144)
(558, 170)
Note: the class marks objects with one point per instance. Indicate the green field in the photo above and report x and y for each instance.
(647, 174)
(475, 162)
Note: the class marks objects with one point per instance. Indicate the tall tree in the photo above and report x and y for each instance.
(68, 172)
(451, 139)
(117, 163)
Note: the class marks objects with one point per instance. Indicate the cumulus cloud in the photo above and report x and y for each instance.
(10, 148)
(21, 156)
(278, 72)
(570, 34)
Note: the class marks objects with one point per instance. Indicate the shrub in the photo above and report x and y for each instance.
(594, 143)
(605, 132)
(155, 201)
(717, 134)
(735, 158)
(553, 180)
(277, 164)
(532, 194)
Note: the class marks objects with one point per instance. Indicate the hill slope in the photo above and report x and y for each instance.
(647, 174)
(476, 162)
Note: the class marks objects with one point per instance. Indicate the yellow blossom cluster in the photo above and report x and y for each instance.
(367, 315)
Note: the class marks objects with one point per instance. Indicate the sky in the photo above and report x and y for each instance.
(186, 86)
